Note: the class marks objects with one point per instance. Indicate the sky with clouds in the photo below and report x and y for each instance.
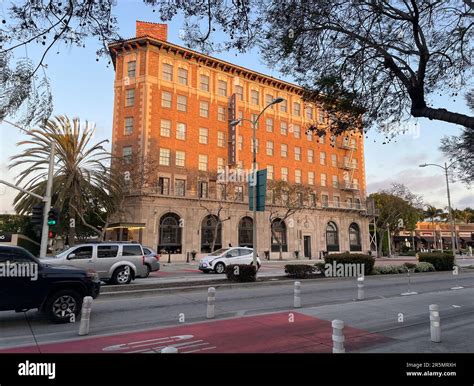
(83, 87)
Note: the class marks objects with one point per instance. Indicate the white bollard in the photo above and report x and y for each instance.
(169, 350)
(211, 301)
(435, 323)
(360, 288)
(297, 295)
(85, 315)
(338, 337)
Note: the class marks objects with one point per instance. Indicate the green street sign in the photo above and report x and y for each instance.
(261, 190)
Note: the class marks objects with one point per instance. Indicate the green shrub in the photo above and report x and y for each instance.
(424, 267)
(320, 267)
(352, 258)
(410, 265)
(408, 253)
(440, 261)
(299, 271)
(241, 273)
(390, 269)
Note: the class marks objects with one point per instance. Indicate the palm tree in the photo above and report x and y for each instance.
(82, 177)
(432, 212)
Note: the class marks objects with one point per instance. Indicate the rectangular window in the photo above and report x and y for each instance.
(312, 200)
(128, 126)
(298, 176)
(165, 128)
(107, 251)
(254, 97)
(334, 160)
(183, 76)
(164, 185)
(222, 88)
(204, 109)
(335, 182)
(203, 135)
(239, 193)
(131, 68)
(283, 128)
(204, 82)
(240, 143)
(284, 174)
(325, 200)
(283, 106)
(323, 179)
(180, 158)
(130, 97)
(270, 172)
(240, 116)
(300, 198)
(284, 150)
(202, 162)
(203, 189)
(309, 135)
(269, 124)
(127, 154)
(297, 131)
(182, 103)
(181, 131)
(269, 147)
(322, 158)
(239, 92)
(310, 156)
(221, 113)
(165, 157)
(333, 140)
(296, 109)
(309, 112)
(337, 201)
(320, 116)
(354, 163)
(355, 183)
(167, 73)
(220, 164)
(166, 99)
(268, 100)
(220, 139)
(322, 139)
(353, 143)
(180, 187)
(297, 153)
(310, 178)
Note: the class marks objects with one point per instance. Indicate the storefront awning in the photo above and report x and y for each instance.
(128, 225)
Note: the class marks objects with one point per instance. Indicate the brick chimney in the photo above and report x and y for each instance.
(154, 30)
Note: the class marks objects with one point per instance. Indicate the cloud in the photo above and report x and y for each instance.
(412, 178)
(466, 201)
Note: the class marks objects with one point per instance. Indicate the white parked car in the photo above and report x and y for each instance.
(218, 260)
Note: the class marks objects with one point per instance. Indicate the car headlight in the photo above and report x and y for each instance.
(204, 264)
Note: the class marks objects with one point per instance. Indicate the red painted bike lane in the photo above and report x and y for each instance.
(270, 333)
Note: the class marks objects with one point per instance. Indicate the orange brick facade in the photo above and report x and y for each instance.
(164, 72)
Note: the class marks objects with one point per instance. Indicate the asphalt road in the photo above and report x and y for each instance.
(138, 312)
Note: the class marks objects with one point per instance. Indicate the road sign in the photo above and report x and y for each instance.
(261, 190)
(37, 215)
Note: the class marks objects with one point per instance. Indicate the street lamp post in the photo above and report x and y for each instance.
(254, 124)
(450, 211)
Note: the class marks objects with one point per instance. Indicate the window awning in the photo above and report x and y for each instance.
(128, 225)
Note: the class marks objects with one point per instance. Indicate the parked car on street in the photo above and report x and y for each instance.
(28, 283)
(152, 261)
(116, 263)
(218, 260)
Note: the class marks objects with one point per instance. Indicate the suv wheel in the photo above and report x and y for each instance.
(122, 275)
(219, 268)
(61, 305)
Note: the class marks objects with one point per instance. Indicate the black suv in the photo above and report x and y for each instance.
(27, 283)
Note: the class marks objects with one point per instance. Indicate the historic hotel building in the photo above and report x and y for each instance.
(175, 104)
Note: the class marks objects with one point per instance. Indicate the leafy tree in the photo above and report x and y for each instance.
(285, 200)
(398, 208)
(13, 223)
(383, 58)
(460, 149)
(82, 179)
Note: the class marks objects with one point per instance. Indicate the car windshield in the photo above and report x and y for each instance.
(219, 252)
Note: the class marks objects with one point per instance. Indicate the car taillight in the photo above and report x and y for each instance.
(157, 257)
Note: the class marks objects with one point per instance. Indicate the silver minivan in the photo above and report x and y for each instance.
(117, 263)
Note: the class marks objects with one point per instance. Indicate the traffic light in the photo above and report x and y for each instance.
(51, 235)
(53, 217)
(37, 215)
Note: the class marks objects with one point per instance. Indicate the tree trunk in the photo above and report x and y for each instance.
(443, 115)
(380, 244)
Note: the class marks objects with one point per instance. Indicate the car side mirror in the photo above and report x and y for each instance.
(71, 256)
